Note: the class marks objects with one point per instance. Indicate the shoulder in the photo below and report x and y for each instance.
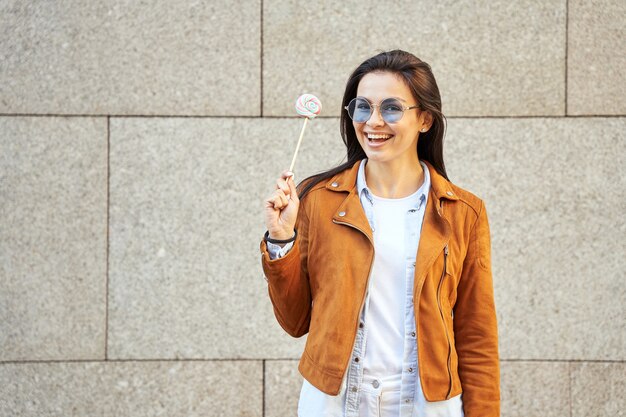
(455, 195)
(473, 202)
(341, 178)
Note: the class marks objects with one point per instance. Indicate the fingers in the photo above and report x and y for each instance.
(293, 193)
(284, 192)
(287, 184)
(281, 184)
(279, 200)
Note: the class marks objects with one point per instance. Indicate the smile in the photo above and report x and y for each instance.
(372, 136)
(378, 137)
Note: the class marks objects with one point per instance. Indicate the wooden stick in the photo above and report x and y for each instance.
(293, 161)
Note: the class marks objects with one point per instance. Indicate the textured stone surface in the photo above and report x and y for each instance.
(489, 58)
(534, 389)
(598, 389)
(186, 220)
(128, 57)
(175, 182)
(132, 389)
(53, 214)
(283, 383)
(596, 81)
(555, 192)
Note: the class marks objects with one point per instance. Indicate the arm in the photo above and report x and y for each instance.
(475, 326)
(288, 281)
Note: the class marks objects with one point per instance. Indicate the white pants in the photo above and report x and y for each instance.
(383, 401)
(377, 398)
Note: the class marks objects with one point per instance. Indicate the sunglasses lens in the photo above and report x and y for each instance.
(391, 110)
(359, 110)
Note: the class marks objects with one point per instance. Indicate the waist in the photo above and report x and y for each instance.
(372, 383)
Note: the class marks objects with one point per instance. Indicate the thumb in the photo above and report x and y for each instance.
(292, 188)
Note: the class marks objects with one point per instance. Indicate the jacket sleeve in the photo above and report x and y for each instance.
(475, 326)
(288, 280)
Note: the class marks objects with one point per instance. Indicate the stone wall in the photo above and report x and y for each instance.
(138, 140)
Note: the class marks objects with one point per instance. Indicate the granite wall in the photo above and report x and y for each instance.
(138, 140)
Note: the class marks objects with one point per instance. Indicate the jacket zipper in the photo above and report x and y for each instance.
(358, 319)
(445, 257)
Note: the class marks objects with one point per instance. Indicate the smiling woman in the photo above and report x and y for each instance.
(385, 263)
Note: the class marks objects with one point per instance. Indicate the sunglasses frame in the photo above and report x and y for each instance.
(373, 106)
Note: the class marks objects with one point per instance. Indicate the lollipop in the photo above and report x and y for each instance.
(308, 106)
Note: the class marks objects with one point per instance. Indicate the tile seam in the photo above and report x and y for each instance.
(566, 50)
(179, 116)
(109, 360)
(108, 241)
(568, 361)
(261, 62)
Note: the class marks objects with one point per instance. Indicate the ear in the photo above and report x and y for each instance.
(426, 120)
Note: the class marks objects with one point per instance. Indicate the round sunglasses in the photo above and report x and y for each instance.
(391, 109)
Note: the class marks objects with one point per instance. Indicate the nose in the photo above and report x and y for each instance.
(376, 119)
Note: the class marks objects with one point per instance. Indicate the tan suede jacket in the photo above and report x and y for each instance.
(319, 287)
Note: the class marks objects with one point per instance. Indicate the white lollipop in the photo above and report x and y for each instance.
(309, 106)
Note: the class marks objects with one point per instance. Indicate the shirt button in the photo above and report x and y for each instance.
(356, 360)
(353, 389)
(412, 334)
(407, 401)
(410, 369)
(361, 325)
(342, 213)
(334, 184)
(375, 383)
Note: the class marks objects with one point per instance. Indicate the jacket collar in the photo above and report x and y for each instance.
(436, 229)
(346, 180)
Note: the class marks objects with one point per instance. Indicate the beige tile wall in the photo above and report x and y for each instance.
(138, 139)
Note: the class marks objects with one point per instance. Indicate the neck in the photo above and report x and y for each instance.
(394, 179)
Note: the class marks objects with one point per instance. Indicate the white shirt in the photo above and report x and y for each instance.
(386, 313)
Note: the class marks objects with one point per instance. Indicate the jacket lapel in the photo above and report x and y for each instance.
(436, 230)
(350, 211)
(434, 236)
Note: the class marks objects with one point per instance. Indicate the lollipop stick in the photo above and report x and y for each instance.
(293, 161)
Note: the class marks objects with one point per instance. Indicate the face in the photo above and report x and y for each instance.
(384, 141)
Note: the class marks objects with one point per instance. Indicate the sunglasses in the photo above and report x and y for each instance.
(391, 109)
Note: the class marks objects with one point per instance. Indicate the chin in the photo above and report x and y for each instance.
(377, 156)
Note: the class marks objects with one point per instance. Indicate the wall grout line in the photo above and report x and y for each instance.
(109, 360)
(33, 361)
(261, 59)
(178, 116)
(263, 391)
(108, 242)
(566, 48)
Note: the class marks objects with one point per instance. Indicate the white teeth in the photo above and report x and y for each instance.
(371, 136)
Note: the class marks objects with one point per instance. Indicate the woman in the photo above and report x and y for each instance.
(385, 263)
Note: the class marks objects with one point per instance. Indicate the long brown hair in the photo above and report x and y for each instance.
(419, 78)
